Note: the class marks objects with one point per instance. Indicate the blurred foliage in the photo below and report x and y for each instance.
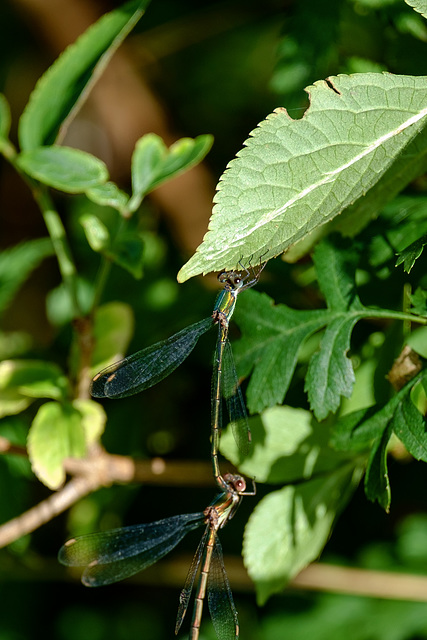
(221, 68)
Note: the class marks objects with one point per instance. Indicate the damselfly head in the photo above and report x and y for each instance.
(231, 279)
(236, 483)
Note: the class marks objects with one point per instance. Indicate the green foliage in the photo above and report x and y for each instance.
(153, 163)
(273, 336)
(61, 426)
(17, 263)
(418, 5)
(61, 90)
(323, 188)
(5, 118)
(293, 176)
(299, 519)
(63, 168)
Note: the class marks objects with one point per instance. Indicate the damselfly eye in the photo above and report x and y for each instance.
(240, 485)
(223, 276)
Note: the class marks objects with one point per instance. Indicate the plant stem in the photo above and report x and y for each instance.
(370, 312)
(59, 239)
(100, 281)
(54, 226)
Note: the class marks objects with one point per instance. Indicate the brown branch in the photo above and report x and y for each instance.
(375, 584)
(101, 469)
(7, 447)
(320, 576)
(316, 577)
(43, 512)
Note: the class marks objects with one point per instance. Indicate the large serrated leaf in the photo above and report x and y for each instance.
(418, 5)
(377, 483)
(295, 175)
(410, 427)
(63, 88)
(289, 528)
(330, 374)
(272, 336)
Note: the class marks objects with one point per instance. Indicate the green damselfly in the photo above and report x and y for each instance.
(149, 366)
(114, 555)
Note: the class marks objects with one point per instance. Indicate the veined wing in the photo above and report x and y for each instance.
(220, 599)
(184, 597)
(149, 366)
(235, 402)
(110, 556)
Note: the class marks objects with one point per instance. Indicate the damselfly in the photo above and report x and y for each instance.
(111, 556)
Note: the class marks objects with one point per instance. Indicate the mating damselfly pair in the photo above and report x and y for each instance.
(113, 555)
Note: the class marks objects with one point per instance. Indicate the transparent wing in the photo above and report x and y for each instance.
(236, 406)
(185, 594)
(110, 556)
(220, 599)
(149, 366)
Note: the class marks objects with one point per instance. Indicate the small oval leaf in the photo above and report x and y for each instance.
(63, 168)
(56, 434)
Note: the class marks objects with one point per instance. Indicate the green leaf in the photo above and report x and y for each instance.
(108, 195)
(410, 427)
(126, 249)
(153, 163)
(128, 252)
(293, 176)
(401, 223)
(59, 304)
(272, 336)
(417, 340)
(410, 255)
(96, 232)
(355, 431)
(369, 428)
(93, 419)
(5, 118)
(21, 381)
(288, 445)
(56, 434)
(418, 5)
(14, 343)
(147, 159)
(336, 260)
(63, 88)
(113, 330)
(63, 168)
(17, 263)
(289, 528)
(330, 374)
(377, 483)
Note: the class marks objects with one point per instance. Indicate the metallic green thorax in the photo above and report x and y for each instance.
(226, 299)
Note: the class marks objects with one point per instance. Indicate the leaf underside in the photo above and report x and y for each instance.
(293, 176)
